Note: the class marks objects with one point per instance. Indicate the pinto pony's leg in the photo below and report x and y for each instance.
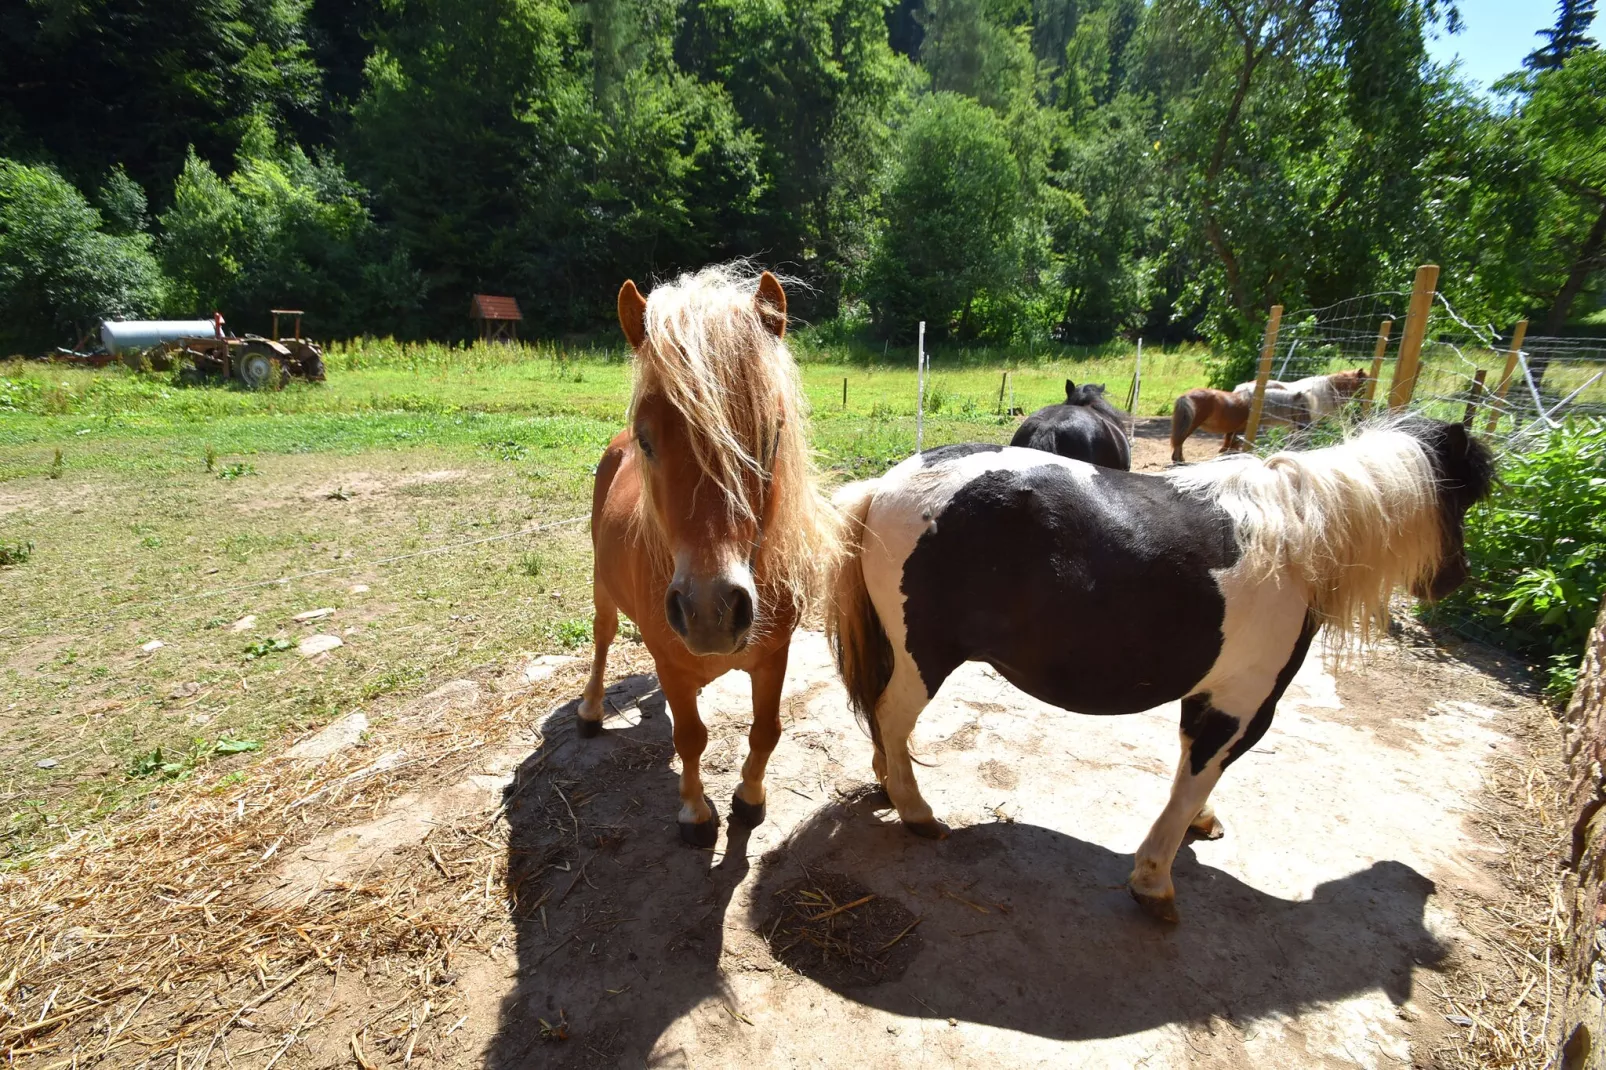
(895, 715)
(747, 806)
(699, 822)
(1216, 731)
(604, 626)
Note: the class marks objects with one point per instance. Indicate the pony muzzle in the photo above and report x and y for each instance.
(712, 614)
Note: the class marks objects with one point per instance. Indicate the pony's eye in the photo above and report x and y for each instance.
(644, 446)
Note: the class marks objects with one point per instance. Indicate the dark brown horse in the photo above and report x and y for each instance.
(707, 529)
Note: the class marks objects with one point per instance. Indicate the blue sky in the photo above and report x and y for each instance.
(1495, 36)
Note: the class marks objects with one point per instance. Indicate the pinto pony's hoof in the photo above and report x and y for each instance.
(588, 729)
(1211, 829)
(930, 830)
(1160, 908)
(702, 834)
(746, 813)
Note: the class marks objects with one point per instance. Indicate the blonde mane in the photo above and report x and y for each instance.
(711, 356)
(1352, 521)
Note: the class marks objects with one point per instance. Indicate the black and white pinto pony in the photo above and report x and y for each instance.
(1107, 592)
(1085, 427)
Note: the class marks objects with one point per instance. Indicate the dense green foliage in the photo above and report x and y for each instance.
(1007, 170)
(1538, 548)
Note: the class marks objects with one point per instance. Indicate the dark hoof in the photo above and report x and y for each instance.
(746, 813)
(1157, 907)
(931, 830)
(704, 834)
(589, 729)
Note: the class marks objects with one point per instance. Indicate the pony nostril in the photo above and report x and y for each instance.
(675, 611)
(741, 611)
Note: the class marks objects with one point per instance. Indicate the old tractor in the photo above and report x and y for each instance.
(256, 362)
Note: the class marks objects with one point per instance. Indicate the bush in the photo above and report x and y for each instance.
(60, 272)
(1538, 554)
(951, 232)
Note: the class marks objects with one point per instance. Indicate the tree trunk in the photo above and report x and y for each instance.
(1585, 262)
(1581, 1025)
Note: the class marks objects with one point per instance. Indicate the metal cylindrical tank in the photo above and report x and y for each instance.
(122, 336)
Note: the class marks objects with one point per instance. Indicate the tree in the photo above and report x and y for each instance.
(952, 213)
(60, 272)
(134, 82)
(1565, 120)
(1569, 35)
(816, 81)
(281, 230)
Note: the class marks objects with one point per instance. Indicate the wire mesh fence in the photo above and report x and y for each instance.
(1538, 548)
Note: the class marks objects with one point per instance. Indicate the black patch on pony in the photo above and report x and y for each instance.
(1085, 427)
(1088, 588)
(1209, 729)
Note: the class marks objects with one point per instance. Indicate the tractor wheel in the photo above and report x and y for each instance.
(258, 371)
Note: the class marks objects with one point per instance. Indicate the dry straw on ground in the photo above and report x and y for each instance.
(156, 934)
(1505, 1007)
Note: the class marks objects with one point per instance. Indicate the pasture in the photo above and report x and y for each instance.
(433, 500)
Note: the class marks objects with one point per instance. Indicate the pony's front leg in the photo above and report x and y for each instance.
(747, 805)
(1216, 730)
(1207, 733)
(699, 821)
(604, 626)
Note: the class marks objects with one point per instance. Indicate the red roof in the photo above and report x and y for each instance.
(489, 307)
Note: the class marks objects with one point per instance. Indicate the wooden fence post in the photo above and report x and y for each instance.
(1416, 329)
(1519, 333)
(1003, 381)
(1473, 397)
(844, 393)
(1384, 329)
(1268, 348)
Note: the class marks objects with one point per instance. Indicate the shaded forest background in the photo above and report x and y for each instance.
(1007, 170)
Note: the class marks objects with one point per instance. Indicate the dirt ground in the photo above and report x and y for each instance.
(1309, 932)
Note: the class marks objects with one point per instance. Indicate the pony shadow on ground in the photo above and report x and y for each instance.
(619, 928)
(1026, 928)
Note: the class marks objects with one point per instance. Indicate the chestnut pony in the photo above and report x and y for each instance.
(706, 524)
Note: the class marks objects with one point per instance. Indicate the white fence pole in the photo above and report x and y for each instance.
(920, 387)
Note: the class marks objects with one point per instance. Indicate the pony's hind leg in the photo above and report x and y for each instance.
(896, 714)
(747, 806)
(604, 626)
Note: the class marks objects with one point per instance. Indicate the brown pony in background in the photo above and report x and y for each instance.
(1226, 413)
(706, 525)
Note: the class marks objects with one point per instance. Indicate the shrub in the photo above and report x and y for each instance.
(1538, 554)
(60, 272)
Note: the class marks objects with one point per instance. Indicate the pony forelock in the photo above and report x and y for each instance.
(709, 353)
(1352, 522)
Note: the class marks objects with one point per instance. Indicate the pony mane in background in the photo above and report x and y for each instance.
(709, 351)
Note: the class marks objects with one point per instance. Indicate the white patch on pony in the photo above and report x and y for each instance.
(1258, 608)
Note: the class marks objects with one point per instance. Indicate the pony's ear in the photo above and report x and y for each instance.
(1070, 388)
(633, 314)
(771, 304)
